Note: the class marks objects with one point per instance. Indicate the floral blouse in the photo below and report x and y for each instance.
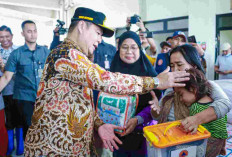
(64, 116)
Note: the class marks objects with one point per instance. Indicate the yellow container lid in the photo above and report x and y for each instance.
(171, 134)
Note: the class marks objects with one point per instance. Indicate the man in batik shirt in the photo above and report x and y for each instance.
(64, 115)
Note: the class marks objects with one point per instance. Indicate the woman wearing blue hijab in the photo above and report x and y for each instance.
(129, 59)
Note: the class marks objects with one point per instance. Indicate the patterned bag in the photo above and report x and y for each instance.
(116, 109)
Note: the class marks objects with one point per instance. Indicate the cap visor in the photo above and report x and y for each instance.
(107, 32)
(185, 40)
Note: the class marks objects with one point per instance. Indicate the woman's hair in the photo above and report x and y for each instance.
(190, 54)
(198, 83)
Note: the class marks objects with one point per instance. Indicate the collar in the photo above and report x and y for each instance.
(25, 47)
(73, 43)
(12, 47)
(229, 54)
(103, 43)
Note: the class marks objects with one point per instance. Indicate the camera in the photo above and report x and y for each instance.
(192, 39)
(62, 30)
(135, 19)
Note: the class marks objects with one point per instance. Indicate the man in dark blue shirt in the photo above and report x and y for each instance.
(104, 54)
(27, 63)
(163, 58)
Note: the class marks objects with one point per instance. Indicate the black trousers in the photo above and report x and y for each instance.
(25, 113)
(19, 115)
(11, 112)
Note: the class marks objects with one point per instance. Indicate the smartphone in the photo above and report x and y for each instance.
(147, 34)
(192, 39)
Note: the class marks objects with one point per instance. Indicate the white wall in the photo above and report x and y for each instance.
(202, 19)
(202, 24)
(51, 4)
(163, 9)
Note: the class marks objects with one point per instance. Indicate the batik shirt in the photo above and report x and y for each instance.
(64, 116)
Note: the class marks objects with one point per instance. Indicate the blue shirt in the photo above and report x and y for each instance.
(162, 62)
(104, 51)
(8, 90)
(26, 65)
(55, 42)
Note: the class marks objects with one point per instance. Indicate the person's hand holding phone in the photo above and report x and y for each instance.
(128, 21)
(199, 48)
(141, 25)
(192, 39)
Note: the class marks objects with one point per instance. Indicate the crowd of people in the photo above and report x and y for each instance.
(48, 97)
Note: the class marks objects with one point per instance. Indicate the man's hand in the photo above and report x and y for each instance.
(154, 103)
(128, 23)
(190, 124)
(199, 48)
(56, 31)
(172, 79)
(221, 72)
(130, 126)
(141, 25)
(227, 72)
(106, 133)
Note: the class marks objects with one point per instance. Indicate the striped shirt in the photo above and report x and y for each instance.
(217, 128)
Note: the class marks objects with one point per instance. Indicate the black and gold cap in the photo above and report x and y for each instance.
(95, 17)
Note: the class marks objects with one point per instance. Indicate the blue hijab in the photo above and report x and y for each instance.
(142, 67)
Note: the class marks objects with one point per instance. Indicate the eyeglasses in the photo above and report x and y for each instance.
(126, 48)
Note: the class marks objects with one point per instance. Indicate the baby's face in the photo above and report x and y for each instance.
(187, 97)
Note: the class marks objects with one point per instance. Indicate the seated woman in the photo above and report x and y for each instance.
(130, 59)
(182, 58)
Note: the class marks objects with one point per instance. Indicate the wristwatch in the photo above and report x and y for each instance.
(156, 82)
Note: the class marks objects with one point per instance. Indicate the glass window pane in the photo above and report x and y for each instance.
(155, 26)
(225, 21)
(178, 24)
